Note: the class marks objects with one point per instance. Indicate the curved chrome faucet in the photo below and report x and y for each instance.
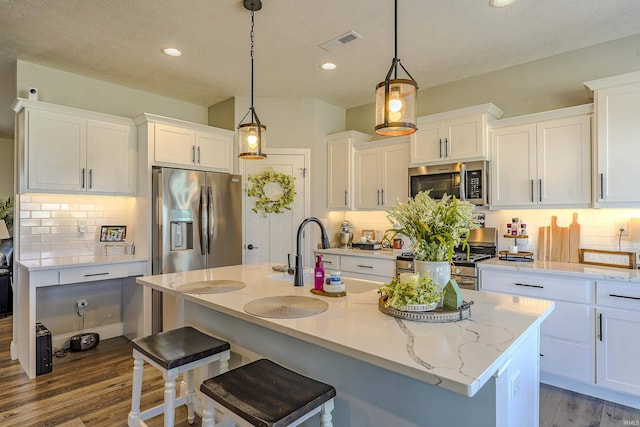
(298, 275)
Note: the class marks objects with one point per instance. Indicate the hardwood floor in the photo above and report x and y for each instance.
(93, 388)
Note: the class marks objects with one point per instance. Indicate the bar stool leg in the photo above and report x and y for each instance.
(191, 392)
(208, 413)
(325, 414)
(136, 390)
(169, 398)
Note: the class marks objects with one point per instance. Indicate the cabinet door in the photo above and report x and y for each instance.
(427, 143)
(214, 151)
(513, 166)
(464, 138)
(564, 161)
(394, 174)
(55, 150)
(367, 182)
(617, 349)
(111, 158)
(339, 153)
(618, 147)
(174, 145)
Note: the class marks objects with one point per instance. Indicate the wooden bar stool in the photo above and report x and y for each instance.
(173, 352)
(263, 393)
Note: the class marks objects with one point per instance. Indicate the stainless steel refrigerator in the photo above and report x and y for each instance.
(197, 223)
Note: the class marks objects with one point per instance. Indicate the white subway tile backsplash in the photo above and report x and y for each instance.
(49, 223)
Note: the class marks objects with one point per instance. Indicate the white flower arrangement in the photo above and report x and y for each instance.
(411, 289)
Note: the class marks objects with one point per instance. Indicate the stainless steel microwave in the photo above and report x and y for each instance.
(467, 181)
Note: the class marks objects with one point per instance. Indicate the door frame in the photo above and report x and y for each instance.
(306, 153)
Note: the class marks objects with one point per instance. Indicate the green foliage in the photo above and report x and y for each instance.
(6, 211)
(401, 293)
(436, 227)
(264, 204)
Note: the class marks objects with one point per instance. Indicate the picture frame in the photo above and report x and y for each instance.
(608, 258)
(369, 234)
(113, 233)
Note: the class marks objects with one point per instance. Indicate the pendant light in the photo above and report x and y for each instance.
(252, 138)
(396, 98)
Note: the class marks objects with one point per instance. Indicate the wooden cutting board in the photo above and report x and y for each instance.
(574, 239)
(554, 242)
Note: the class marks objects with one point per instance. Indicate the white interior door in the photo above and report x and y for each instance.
(271, 238)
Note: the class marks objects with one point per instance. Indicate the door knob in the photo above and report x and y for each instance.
(250, 247)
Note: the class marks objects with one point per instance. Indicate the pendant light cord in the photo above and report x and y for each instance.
(251, 36)
(395, 36)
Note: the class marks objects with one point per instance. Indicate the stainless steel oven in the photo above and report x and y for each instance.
(466, 181)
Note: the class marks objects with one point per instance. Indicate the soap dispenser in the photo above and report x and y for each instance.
(318, 272)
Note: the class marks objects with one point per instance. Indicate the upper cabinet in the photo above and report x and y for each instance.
(616, 142)
(63, 149)
(340, 193)
(458, 135)
(381, 173)
(183, 144)
(542, 159)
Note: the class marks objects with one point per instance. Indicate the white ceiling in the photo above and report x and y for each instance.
(439, 41)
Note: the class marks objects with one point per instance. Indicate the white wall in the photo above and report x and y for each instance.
(6, 168)
(74, 90)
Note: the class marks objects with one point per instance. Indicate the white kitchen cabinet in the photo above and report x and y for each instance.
(193, 145)
(340, 168)
(372, 267)
(381, 174)
(616, 140)
(618, 336)
(566, 336)
(64, 149)
(459, 135)
(542, 159)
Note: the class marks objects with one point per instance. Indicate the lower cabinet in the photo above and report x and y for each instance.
(618, 336)
(377, 269)
(566, 336)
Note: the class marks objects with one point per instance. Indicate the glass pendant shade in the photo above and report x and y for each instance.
(396, 107)
(252, 141)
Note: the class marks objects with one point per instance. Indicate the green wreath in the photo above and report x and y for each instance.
(272, 203)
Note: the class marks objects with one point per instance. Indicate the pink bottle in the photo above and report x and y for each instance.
(318, 272)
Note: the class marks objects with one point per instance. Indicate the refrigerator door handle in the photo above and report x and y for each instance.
(204, 223)
(211, 215)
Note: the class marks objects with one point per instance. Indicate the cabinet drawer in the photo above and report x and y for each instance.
(567, 359)
(331, 262)
(573, 322)
(92, 274)
(540, 286)
(618, 295)
(376, 267)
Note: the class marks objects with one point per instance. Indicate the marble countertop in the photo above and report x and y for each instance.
(379, 253)
(77, 261)
(576, 269)
(459, 356)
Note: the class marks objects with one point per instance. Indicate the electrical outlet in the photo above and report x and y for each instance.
(81, 306)
(622, 224)
(515, 384)
(82, 226)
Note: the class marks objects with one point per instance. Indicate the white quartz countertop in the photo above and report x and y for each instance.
(458, 356)
(379, 253)
(566, 268)
(76, 261)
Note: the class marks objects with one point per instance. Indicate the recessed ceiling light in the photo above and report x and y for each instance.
(501, 3)
(171, 51)
(329, 66)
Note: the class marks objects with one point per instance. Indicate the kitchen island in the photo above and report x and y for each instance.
(482, 371)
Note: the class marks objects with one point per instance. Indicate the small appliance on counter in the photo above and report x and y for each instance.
(345, 235)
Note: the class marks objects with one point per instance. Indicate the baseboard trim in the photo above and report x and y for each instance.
(591, 390)
(107, 331)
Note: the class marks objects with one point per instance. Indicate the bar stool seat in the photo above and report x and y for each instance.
(173, 352)
(266, 394)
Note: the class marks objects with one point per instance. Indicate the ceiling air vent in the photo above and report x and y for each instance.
(340, 41)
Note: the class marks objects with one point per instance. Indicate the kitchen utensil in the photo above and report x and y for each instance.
(398, 243)
(574, 239)
(543, 243)
(345, 239)
(555, 240)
